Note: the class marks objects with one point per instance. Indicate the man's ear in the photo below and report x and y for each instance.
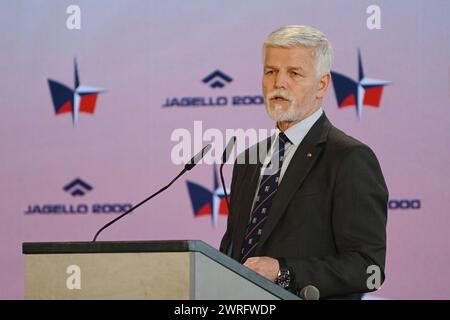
(324, 82)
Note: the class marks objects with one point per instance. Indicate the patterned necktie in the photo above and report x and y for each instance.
(267, 189)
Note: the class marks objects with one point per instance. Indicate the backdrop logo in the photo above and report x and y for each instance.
(205, 202)
(364, 92)
(77, 188)
(404, 204)
(67, 100)
(217, 79)
(214, 80)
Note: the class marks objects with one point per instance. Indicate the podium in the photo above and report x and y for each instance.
(181, 270)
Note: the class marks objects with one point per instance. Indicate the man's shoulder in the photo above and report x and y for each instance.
(342, 145)
(340, 140)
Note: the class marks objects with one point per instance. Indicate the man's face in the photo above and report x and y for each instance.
(290, 84)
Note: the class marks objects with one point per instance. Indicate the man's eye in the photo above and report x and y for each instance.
(269, 72)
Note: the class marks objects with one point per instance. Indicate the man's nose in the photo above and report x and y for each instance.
(280, 81)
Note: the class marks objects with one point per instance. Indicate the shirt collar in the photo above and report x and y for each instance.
(297, 132)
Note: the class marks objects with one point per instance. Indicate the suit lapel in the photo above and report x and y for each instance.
(303, 160)
(244, 207)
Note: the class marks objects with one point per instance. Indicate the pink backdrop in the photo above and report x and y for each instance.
(143, 52)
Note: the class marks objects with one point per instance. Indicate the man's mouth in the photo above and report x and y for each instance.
(278, 99)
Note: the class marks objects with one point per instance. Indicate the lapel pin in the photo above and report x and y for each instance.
(309, 155)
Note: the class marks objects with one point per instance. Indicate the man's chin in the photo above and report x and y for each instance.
(280, 117)
(277, 112)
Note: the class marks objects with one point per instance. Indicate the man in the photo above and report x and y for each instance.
(314, 211)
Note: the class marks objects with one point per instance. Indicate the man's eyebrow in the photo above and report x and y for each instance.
(289, 68)
(296, 68)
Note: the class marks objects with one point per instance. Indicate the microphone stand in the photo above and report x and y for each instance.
(188, 166)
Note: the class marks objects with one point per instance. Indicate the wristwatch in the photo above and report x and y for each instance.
(284, 274)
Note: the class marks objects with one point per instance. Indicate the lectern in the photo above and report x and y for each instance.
(188, 269)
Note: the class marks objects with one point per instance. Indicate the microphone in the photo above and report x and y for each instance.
(196, 159)
(188, 166)
(310, 293)
(225, 156)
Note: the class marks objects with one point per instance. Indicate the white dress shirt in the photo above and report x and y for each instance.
(295, 134)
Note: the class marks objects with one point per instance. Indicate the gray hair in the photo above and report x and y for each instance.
(304, 36)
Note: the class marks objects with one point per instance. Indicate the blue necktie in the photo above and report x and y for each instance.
(267, 189)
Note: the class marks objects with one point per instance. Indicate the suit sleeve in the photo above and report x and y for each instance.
(359, 216)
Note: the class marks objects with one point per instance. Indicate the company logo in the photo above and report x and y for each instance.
(205, 202)
(364, 92)
(217, 79)
(77, 188)
(67, 100)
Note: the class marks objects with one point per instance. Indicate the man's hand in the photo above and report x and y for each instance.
(266, 266)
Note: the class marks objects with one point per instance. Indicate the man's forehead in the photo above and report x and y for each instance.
(297, 57)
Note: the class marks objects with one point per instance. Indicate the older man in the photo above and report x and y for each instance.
(314, 211)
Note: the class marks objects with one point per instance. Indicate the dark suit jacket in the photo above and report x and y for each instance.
(328, 218)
